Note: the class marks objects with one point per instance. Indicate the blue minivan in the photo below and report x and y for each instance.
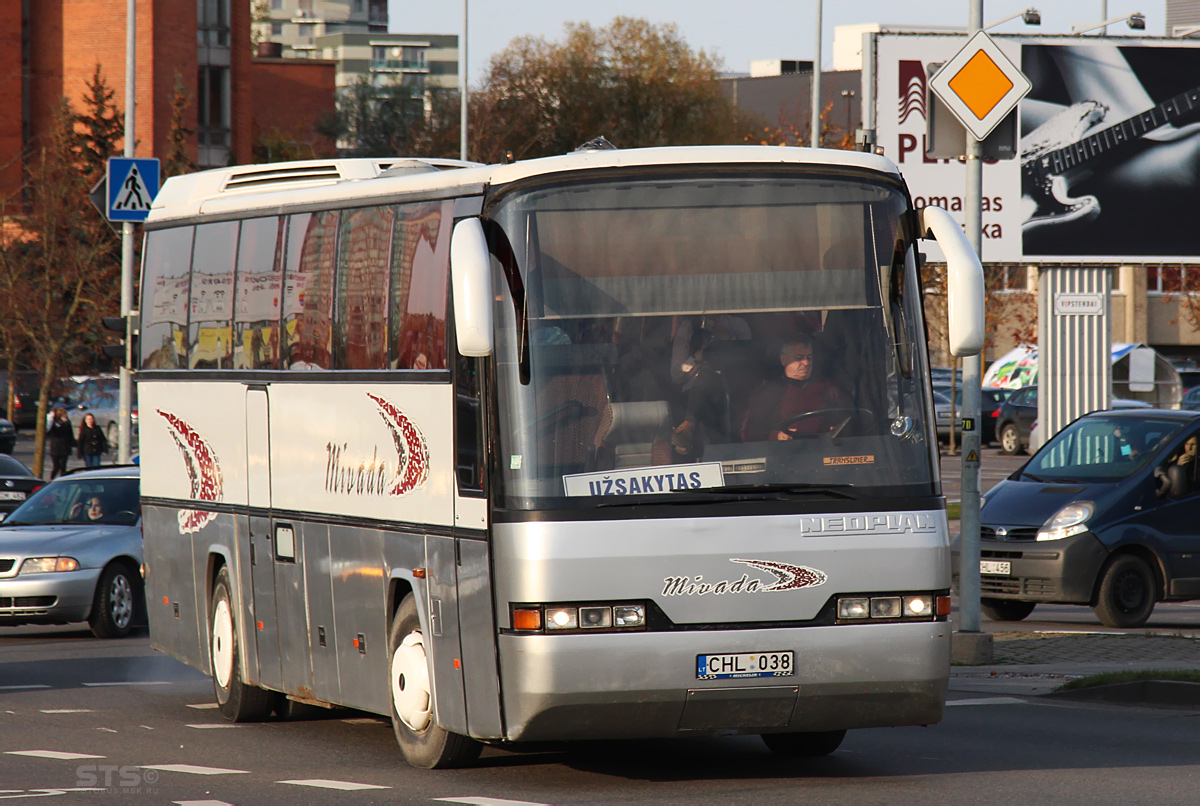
(1106, 514)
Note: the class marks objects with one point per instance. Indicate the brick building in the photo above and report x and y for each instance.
(54, 50)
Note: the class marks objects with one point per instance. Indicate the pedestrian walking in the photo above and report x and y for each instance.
(61, 438)
(92, 442)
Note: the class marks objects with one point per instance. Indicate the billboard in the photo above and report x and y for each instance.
(1109, 162)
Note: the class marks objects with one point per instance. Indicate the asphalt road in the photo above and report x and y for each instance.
(84, 721)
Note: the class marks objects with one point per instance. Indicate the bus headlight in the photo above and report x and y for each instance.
(896, 607)
(537, 618)
(1068, 521)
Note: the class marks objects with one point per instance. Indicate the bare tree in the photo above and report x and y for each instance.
(59, 260)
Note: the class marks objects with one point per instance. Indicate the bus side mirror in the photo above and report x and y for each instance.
(964, 280)
(471, 284)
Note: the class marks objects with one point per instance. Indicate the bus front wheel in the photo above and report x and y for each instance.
(804, 745)
(238, 701)
(425, 743)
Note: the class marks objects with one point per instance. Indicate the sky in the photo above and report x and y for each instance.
(738, 32)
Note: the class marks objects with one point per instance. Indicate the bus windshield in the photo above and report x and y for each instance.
(699, 334)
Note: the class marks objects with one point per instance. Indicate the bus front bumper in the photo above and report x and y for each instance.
(643, 685)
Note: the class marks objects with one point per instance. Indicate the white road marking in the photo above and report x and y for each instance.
(364, 720)
(210, 726)
(15, 794)
(988, 701)
(107, 730)
(491, 801)
(17, 688)
(66, 710)
(201, 803)
(193, 769)
(131, 683)
(323, 783)
(57, 754)
(203, 706)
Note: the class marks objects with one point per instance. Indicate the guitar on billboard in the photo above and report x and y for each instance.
(1057, 153)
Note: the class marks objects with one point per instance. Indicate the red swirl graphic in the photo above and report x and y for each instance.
(788, 577)
(412, 452)
(203, 468)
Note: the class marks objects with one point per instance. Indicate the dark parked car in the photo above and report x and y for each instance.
(1103, 515)
(25, 398)
(17, 483)
(1015, 418)
(8, 436)
(73, 552)
(989, 408)
(1191, 399)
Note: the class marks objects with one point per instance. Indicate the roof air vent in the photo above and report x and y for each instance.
(597, 144)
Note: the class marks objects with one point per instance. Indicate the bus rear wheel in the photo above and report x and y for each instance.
(238, 701)
(804, 745)
(425, 743)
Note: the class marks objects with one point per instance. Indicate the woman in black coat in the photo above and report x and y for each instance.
(92, 442)
(61, 439)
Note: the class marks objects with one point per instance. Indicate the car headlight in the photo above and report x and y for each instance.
(45, 565)
(1070, 520)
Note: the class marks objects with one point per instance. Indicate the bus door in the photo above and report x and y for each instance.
(478, 625)
(262, 554)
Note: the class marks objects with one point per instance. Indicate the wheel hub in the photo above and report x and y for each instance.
(222, 643)
(120, 597)
(410, 682)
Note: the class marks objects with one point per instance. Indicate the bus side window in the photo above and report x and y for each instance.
(468, 425)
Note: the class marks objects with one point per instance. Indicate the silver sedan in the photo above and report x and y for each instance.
(73, 552)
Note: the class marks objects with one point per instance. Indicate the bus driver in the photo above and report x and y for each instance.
(780, 401)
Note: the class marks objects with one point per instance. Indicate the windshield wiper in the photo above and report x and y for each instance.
(1031, 476)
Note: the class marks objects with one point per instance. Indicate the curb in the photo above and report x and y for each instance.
(1152, 693)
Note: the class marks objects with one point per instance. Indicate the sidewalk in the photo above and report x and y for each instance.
(1031, 663)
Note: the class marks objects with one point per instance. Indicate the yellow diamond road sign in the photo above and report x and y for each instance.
(980, 85)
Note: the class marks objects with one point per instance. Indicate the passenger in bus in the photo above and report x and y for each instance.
(777, 406)
(706, 395)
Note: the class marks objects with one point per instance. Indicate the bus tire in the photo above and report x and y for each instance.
(237, 700)
(804, 745)
(425, 744)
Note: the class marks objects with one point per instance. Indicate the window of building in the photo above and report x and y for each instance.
(1170, 279)
(362, 294)
(257, 294)
(308, 290)
(379, 54)
(413, 56)
(277, 29)
(419, 277)
(213, 22)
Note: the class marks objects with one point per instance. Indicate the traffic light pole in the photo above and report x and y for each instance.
(124, 434)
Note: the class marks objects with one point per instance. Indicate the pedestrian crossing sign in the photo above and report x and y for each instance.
(132, 186)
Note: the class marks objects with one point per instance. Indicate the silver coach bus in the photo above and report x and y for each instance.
(613, 444)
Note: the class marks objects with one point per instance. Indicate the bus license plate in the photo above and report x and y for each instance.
(745, 664)
(995, 567)
(8, 496)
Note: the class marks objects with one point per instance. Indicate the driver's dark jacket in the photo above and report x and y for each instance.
(777, 401)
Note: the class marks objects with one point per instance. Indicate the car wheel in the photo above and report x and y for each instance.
(1010, 440)
(115, 603)
(425, 743)
(1127, 593)
(804, 745)
(237, 700)
(1006, 609)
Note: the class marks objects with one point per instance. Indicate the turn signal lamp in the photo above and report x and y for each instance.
(527, 619)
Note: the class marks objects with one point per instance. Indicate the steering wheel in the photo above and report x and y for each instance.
(125, 516)
(789, 426)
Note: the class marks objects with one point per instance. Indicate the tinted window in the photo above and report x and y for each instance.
(256, 303)
(210, 330)
(165, 284)
(308, 290)
(364, 254)
(420, 273)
